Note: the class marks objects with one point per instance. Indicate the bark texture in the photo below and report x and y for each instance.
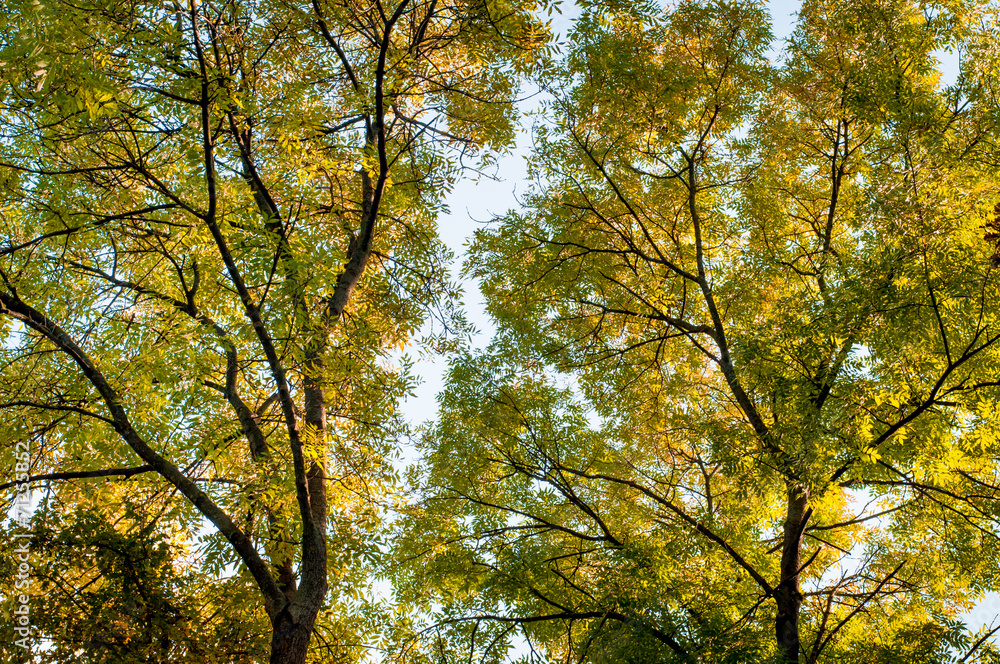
(290, 638)
(787, 594)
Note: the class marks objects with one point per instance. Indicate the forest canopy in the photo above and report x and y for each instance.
(741, 404)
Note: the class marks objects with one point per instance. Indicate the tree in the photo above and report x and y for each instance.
(218, 221)
(742, 404)
(116, 591)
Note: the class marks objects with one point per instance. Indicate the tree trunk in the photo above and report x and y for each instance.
(292, 626)
(787, 594)
(290, 639)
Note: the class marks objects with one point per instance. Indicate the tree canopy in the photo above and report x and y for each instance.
(741, 405)
(218, 220)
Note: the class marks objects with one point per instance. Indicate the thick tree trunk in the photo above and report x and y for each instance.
(292, 627)
(290, 639)
(787, 594)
